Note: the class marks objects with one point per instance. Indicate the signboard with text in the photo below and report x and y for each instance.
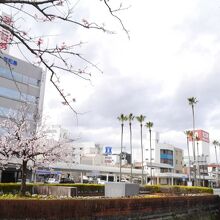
(201, 135)
(108, 150)
(5, 35)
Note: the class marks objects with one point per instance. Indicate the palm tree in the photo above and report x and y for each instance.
(188, 135)
(140, 119)
(192, 101)
(149, 125)
(197, 144)
(122, 118)
(130, 119)
(216, 143)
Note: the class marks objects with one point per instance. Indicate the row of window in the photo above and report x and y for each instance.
(167, 161)
(165, 170)
(170, 152)
(166, 156)
(7, 73)
(20, 96)
(5, 112)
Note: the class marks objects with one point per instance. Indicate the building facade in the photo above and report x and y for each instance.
(163, 162)
(21, 88)
(21, 83)
(202, 146)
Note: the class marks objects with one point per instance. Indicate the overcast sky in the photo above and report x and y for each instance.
(172, 54)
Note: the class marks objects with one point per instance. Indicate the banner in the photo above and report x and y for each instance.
(5, 35)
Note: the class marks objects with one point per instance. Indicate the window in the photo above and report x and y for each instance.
(166, 156)
(165, 170)
(7, 73)
(14, 94)
(6, 111)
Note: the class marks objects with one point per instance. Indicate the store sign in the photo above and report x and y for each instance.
(205, 136)
(10, 61)
(108, 159)
(5, 35)
(108, 150)
(201, 135)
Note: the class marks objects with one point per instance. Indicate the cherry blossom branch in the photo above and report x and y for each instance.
(51, 57)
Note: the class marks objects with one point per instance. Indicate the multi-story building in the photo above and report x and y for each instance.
(201, 145)
(57, 133)
(21, 87)
(214, 174)
(163, 162)
(20, 83)
(167, 164)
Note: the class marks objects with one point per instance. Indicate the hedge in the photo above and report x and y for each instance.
(177, 189)
(82, 189)
(96, 189)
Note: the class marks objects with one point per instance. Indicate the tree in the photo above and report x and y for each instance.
(141, 119)
(130, 119)
(216, 143)
(188, 135)
(192, 102)
(149, 125)
(198, 156)
(122, 118)
(22, 144)
(54, 56)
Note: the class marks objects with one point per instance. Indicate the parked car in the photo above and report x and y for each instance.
(52, 180)
(66, 180)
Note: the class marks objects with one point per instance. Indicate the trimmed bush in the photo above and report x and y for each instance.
(13, 188)
(96, 189)
(177, 190)
(82, 189)
(151, 188)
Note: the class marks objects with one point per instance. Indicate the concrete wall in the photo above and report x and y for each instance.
(55, 191)
(193, 208)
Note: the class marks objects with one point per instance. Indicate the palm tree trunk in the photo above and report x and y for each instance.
(197, 143)
(23, 178)
(121, 151)
(150, 159)
(131, 150)
(142, 160)
(189, 159)
(193, 145)
(216, 166)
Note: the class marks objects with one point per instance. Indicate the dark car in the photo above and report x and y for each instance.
(66, 180)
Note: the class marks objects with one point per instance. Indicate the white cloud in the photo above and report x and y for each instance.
(173, 54)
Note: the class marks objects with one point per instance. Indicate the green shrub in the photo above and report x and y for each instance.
(13, 188)
(153, 188)
(176, 190)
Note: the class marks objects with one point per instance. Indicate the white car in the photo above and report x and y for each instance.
(52, 180)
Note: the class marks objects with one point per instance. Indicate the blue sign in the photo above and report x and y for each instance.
(10, 61)
(108, 150)
(166, 156)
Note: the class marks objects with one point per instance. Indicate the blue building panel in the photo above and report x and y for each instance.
(166, 156)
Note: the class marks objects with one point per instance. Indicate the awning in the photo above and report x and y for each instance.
(43, 172)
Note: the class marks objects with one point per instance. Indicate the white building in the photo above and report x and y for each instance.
(202, 146)
(21, 89)
(20, 83)
(57, 133)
